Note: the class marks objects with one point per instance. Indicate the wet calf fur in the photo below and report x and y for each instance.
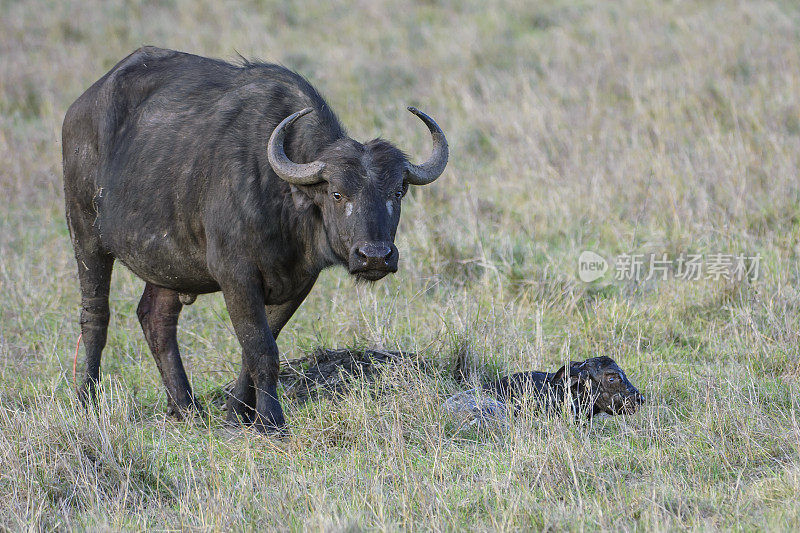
(597, 385)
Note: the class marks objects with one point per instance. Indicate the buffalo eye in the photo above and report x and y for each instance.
(399, 194)
(337, 196)
(612, 378)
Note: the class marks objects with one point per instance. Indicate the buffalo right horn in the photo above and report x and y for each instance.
(431, 169)
(285, 168)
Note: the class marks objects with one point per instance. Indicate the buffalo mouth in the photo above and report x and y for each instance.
(371, 274)
(626, 405)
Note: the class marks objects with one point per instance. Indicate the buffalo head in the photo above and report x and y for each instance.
(358, 189)
(599, 385)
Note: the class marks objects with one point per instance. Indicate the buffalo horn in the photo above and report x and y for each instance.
(286, 169)
(431, 169)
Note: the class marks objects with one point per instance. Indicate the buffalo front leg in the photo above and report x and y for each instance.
(242, 409)
(254, 399)
(158, 314)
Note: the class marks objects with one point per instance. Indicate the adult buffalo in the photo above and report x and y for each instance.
(192, 172)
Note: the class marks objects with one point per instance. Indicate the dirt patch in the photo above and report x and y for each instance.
(327, 373)
(331, 372)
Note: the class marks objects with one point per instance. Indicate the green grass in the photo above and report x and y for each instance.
(619, 127)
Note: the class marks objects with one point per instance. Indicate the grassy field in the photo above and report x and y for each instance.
(631, 127)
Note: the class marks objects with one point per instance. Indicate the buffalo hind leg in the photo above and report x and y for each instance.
(94, 272)
(158, 314)
(242, 400)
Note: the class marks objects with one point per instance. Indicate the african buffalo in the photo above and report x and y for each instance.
(596, 386)
(199, 176)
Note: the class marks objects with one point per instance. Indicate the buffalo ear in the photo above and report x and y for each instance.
(574, 381)
(304, 196)
(574, 374)
(578, 373)
(558, 377)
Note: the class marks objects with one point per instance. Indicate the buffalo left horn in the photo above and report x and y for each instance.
(285, 168)
(431, 169)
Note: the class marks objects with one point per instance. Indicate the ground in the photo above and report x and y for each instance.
(632, 127)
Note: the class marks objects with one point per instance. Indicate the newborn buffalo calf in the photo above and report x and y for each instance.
(597, 385)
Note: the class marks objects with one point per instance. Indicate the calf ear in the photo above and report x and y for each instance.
(558, 377)
(575, 382)
(560, 374)
(578, 373)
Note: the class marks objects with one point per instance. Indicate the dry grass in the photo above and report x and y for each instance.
(634, 126)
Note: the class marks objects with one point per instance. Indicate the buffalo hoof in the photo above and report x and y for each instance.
(269, 416)
(270, 429)
(239, 412)
(193, 409)
(264, 428)
(242, 415)
(87, 394)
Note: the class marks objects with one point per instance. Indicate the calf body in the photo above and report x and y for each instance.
(192, 172)
(597, 385)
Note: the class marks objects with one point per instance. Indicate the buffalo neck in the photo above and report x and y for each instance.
(302, 229)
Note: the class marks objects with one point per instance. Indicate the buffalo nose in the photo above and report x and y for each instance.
(376, 256)
(639, 398)
(372, 251)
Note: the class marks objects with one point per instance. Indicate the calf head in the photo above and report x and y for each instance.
(358, 189)
(598, 385)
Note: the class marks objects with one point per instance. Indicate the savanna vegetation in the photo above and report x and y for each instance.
(632, 127)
